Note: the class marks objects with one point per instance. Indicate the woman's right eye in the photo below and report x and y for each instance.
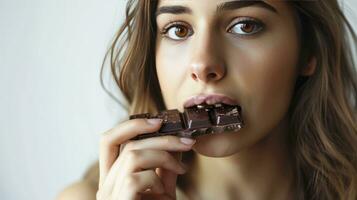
(177, 31)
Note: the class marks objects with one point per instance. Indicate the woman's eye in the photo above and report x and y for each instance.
(177, 32)
(247, 27)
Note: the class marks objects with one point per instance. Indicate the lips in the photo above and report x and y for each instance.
(209, 99)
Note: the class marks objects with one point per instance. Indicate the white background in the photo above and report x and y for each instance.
(52, 108)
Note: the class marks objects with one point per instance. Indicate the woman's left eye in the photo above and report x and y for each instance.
(246, 27)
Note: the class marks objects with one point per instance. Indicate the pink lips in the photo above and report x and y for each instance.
(209, 99)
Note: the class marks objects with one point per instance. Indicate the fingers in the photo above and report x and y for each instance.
(145, 181)
(111, 140)
(168, 178)
(135, 168)
(137, 160)
(168, 143)
(130, 129)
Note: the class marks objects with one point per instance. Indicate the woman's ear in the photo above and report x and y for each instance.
(310, 68)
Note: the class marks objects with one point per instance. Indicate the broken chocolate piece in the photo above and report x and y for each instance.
(195, 121)
(196, 118)
(171, 121)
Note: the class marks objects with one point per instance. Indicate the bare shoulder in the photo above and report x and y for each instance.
(84, 189)
(81, 190)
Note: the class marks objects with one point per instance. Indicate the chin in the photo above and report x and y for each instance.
(218, 145)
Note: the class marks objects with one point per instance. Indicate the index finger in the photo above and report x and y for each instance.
(111, 140)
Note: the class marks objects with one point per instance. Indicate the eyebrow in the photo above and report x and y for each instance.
(231, 5)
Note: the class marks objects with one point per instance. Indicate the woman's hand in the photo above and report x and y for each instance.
(140, 169)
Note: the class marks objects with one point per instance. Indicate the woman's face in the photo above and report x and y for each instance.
(247, 50)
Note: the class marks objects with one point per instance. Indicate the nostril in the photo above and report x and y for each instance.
(211, 76)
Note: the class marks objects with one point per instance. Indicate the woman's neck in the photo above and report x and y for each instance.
(264, 171)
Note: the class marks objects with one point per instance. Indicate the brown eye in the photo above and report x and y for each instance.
(181, 31)
(246, 27)
(177, 31)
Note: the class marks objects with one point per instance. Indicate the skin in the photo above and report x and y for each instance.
(144, 169)
(258, 70)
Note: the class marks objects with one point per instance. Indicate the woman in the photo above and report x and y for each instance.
(287, 64)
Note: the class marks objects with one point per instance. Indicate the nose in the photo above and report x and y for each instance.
(206, 64)
(207, 73)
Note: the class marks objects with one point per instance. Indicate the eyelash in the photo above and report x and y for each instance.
(259, 25)
(243, 20)
(176, 24)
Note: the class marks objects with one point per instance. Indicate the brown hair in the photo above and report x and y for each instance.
(322, 112)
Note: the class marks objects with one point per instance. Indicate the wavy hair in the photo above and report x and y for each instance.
(322, 115)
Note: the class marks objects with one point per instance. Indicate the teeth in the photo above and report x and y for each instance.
(213, 102)
(200, 106)
(200, 102)
(210, 101)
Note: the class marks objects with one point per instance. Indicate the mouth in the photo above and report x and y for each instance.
(209, 99)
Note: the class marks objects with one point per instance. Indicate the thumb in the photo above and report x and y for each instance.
(169, 178)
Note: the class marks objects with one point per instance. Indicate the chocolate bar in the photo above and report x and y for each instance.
(195, 121)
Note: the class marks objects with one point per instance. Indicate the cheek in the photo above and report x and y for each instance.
(170, 69)
(271, 87)
(266, 74)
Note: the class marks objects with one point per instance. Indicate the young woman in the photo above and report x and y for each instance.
(288, 64)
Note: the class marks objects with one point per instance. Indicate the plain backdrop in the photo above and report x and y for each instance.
(52, 108)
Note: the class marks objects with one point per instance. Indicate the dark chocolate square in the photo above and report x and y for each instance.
(225, 115)
(197, 118)
(171, 121)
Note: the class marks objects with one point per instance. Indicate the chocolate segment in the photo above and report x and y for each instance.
(196, 118)
(224, 115)
(195, 121)
(171, 121)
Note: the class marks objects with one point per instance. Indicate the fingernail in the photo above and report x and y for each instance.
(187, 141)
(154, 121)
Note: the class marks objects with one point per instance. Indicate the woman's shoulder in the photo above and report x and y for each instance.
(92, 174)
(84, 189)
(80, 190)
